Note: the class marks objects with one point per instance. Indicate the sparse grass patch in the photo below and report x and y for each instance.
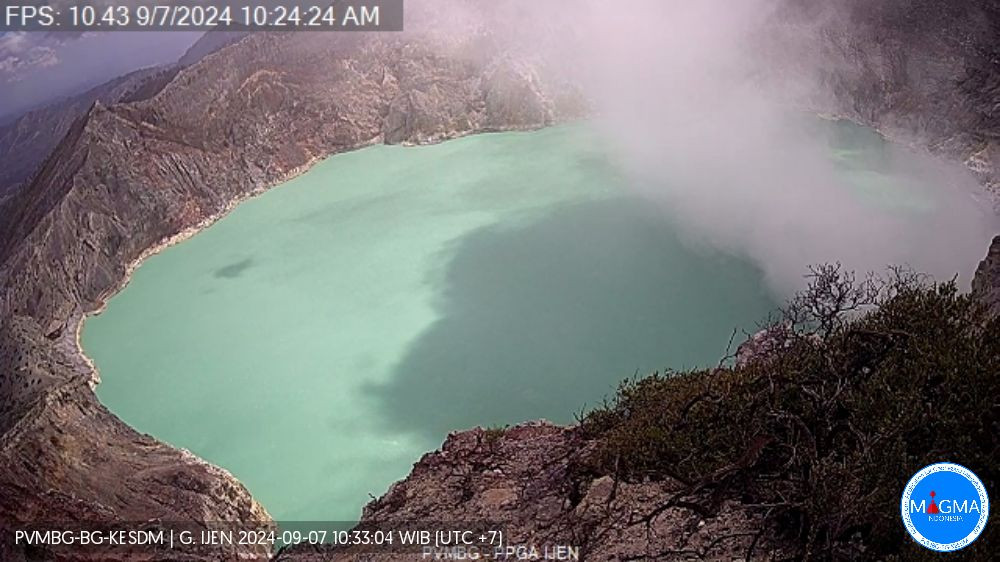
(493, 434)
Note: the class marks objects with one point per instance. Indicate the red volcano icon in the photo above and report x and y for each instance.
(933, 508)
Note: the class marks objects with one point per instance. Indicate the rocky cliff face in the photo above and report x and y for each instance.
(27, 140)
(986, 283)
(924, 72)
(30, 138)
(532, 481)
(130, 176)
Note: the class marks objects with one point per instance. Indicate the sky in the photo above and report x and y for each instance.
(39, 67)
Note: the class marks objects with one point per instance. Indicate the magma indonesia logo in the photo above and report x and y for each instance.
(945, 507)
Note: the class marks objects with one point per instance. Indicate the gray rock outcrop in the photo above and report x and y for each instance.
(986, 283)
(530, 482)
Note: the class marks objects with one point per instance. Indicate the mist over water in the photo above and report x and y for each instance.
(776, 197)
(707, 125)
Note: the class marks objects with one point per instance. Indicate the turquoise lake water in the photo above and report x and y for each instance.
(323, 336)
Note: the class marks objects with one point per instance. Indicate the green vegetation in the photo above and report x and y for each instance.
(872, 380)
(493, 434)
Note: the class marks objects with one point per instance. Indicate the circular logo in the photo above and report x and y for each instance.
(945, 506)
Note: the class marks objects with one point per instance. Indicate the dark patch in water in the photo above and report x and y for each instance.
(535, 320)
(233, 270)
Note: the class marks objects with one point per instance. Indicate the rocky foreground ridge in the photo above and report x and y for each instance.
(531, 478)
(130, 176)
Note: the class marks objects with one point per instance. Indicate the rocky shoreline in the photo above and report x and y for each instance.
(171, 240)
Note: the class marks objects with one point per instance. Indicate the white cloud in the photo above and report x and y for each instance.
(21, 52)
